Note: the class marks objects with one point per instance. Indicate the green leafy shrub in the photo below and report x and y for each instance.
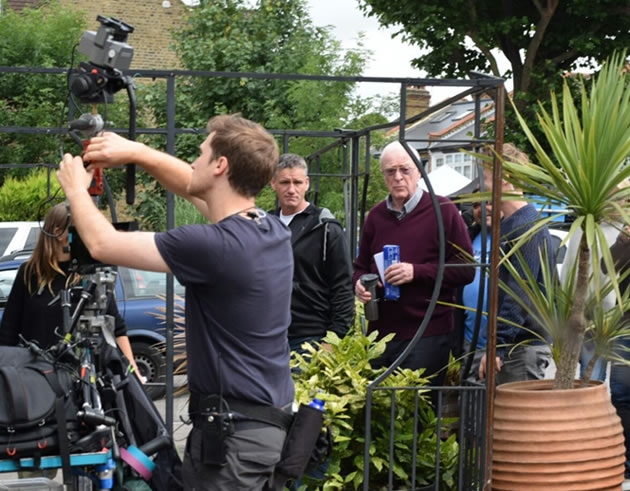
(25, 199)
(340, 376)
(38, 37)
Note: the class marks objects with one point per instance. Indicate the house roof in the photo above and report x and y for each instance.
(450, 122)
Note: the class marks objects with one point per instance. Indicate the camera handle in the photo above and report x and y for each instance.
(89, 124)
(92, 124)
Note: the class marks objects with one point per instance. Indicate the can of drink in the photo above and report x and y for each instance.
(391, 255)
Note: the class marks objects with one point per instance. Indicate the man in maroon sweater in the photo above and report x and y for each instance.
(407, 219)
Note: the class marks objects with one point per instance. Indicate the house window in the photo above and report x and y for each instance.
(442, 116)
(449, 159)
(463, 115)
(468, 171)
(458, 158)
(439, 162)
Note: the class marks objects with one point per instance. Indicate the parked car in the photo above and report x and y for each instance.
(560, 252)
(136, 294)
(16, 236)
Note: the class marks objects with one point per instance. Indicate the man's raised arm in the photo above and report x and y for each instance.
(132, 249)
(111, 150)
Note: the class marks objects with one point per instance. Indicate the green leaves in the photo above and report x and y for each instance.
(588, 146)
(455, 37)
(25, 199)
(42, 37)
(340, 376)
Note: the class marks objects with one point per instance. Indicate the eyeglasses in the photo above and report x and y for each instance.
(405, 171)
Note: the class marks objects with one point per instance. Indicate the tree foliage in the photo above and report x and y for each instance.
(42, 37)
(542, 40)
(271, 37)
(26, 199)
(267, 37)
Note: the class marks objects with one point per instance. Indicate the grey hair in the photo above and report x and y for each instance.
(396, 147)
(291, 161)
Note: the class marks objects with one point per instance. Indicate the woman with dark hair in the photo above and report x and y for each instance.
(28, 312)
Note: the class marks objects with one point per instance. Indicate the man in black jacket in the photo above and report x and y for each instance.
(322, 298)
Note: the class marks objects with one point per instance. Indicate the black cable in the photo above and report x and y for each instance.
(69, 96)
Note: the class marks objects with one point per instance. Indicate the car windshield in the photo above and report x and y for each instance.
(140, 283)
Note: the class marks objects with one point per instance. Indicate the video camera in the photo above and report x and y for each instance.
(96, 81)
(81, 259)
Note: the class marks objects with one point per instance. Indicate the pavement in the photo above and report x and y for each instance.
(180, 410)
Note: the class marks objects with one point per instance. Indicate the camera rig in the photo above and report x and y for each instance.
(97, 80)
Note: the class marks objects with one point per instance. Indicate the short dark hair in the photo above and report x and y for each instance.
(251, 152)
(291, 161)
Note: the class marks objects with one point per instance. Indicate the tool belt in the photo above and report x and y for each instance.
(218, 417)
(243, 412)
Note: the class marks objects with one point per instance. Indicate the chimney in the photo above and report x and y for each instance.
(418, 100)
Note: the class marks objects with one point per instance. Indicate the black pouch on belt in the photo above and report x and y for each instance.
(214, 433)
(215, 424)
(300, 442)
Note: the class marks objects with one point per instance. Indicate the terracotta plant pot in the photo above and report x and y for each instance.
(556, 439)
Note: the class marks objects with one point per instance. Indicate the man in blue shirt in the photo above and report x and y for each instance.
(520, 354)
(470, 293)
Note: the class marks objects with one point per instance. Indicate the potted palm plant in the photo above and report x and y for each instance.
(581, 166)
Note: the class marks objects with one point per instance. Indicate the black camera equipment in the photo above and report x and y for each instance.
(81, 260)
(98, 402)
(96, 82)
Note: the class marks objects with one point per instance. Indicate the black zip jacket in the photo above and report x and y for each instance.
(322, 299)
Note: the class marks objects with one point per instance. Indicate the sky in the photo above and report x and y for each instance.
(391, 57)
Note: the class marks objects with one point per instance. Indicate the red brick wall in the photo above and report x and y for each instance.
(20, 4)
(152, 24)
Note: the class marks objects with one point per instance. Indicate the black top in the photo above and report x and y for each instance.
(31, 316)
(323, 298)
(237, 275)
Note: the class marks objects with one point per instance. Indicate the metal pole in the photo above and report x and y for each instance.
(170, 287)
(493, 286)
(351, 224)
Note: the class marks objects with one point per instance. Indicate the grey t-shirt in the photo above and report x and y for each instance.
(238, 275)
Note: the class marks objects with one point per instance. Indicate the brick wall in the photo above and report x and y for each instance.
(418, 100)
(152, 22)
(20, 4)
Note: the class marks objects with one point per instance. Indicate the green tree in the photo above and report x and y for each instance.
(271, 37)
(584, 172)
(542, 40)
(42, 37)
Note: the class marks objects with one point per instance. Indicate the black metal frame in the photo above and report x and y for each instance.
(475, 456)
